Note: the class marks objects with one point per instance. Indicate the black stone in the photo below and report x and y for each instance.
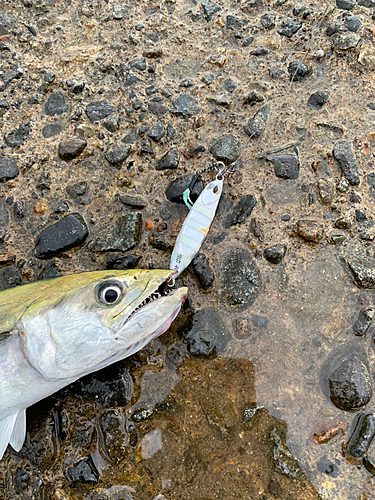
(11, 75)
(208, 336)
(362, 435)
(10, 277)
(49, 77)
(19, 209)
(350, 384)
(275, 254)
(345, 4)
(257, 124)
(120, 262)
(203, 271)
(220, 101)
(360, 215)
(333, 28)
(117, 155)
(65, 234)
(4, 106)
(248, 41)
(298, 71)
(348, 163)
(79, 192)
(133, 201)
(229, 85)
(84, 471)
(98, 110)
(241, 211)
(51, 129)
(157, 132)
(8, 169)
(124, 235)
(235, 23)
(55, 104)
(17, 137)
(289, 27)
(268, 21)
(139, 64)
(276, 73)
(131, 79)
(285, 166)
(317, 99)
(225, 148)
(152, 89)
(241, 279)
(209, 9)
(371, 105)
(71, 148)
(260, 51)
(176, 187)
(146, 148)
(185, 106)
(352, 23)
(171, 159)
(49, 271)
(363, 322)
(112, 124)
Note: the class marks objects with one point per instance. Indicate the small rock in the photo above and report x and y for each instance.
(4, 106)
(276, 73)
(235, 23)
(151, 444)
(346, 41)
(71, 148)
(171, 159)
(298, 71)
(115, 437)
(208, 336)
(275, 254)
(241, 279)
(84, 471)
(185, 106)
(317, 99)
(268, 21)
(157, 132)
(343, 223)
(120, 262)
(139, 64)
(11, 75)
(203, 271)
(325, 191)
(345, 4)
(363, 271)
(49, 271)
(55, 104)
(284, 461)
(362, 436)
(79, 192)
(348, 163)
(19, 209)
(208, 79)
(333, 28)
(350, 384)
(122, 236)
(257, 124)
(17, 137)
(253, 97)
(310, 230)
(65, 234)
(225, 148)
(133, 201)
(220, 101)
(49, 77)
(363, 322)
(285, 166)
(112, 124)
(98, 110)
(155, 53)
(176, 187)
(77, 88)
(229, 85)
(117, 155)
(289, 27)
(352, 23)
(209, 9)
(259, 52)
(241, 211)
(10, 277)
(51, 129)
(8, 169)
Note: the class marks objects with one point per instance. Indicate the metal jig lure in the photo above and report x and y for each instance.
(199, 219)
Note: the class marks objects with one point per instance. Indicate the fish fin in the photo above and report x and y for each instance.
(19, 431)
(6, 429)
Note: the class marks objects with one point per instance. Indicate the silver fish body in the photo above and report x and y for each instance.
(56, 331)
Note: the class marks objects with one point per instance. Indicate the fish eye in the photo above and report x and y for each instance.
(108, 293)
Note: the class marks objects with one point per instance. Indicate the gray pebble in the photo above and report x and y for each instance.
(289, 27)
(285, 166)
(298, 71)
(71, 148)
(241, 211)
(157, 132)
(275, 253)
(202, 271)
(124, 235)
(185, 106)
(18, 137)
(345, 4)
(209, 9)
(346, 41)
(348, 163)
(98, 110)
(171, 159)
(55, 104)
(8, 169)
(117, 155)
(257, 124)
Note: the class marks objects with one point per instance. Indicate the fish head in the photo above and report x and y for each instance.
(84, 322)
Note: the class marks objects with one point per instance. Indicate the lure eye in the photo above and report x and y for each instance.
(108, 293)
(216, 189)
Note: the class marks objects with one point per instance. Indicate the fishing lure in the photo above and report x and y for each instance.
(198, 221)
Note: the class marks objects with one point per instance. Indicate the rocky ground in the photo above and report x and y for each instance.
(107, 110)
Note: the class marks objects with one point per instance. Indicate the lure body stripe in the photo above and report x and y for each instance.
(196, 226)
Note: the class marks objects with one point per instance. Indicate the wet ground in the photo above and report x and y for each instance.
(104, 103)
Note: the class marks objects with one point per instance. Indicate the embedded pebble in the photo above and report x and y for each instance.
(348, 163)
(285, 166)
(185, 106)
(18, 137)
(8, 168)
(67, 233)
(350, 384)
(225, 148)
(352, 23)
(317, 99)
(98, 110)
(363, 322)
(84, 471)
(79, 192)
(122, 236)
(257, 124)
(346, 41)
(240, 211)
(289, 27)
(325, 191)
(275, 254)
(362, 436)
(345, 4)
(115, 437)
(157, 132)
(128, 261)
(284, 461)
(298, 71)
(310, 230)
(117, 155)
(56, 104)
(151, 444)
(202, 271)
(171, 159)
(209, 9)
(71, 148)
(207, 336)
(133, 201)
(176, 188)
(253, 97)
(268, 21)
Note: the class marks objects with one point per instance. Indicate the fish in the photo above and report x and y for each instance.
(54, 332)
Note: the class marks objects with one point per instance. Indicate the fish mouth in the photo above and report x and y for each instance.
(166, 288)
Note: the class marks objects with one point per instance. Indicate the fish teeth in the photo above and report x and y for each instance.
(162, 291)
